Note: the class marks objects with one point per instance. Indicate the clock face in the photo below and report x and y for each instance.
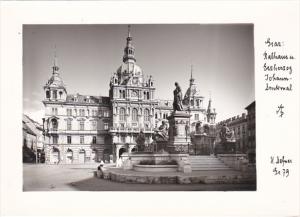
(134, 93)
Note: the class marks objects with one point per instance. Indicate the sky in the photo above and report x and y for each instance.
(222, 56)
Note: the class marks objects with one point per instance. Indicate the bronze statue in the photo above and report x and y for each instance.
(162, 133)
(177, 103)
(140, 141)
(227, 135)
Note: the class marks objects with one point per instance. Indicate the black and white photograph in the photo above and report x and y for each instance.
(149, 108)
(139, 107)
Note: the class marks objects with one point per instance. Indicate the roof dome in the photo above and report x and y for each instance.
(55, 81)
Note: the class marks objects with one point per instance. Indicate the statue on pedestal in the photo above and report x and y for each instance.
(177, 103)
(226, 135)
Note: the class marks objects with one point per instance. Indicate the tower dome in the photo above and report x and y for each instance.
(129, 72)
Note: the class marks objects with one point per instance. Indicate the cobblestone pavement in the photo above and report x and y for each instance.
(43, 177)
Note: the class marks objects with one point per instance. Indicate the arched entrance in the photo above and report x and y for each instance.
(121, 151)
(54, 156)
(81, 156)
(69, 156)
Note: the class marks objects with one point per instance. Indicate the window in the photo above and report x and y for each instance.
(81, 139)
(122, 114)
(81, 125)
(47, 94)
(147, 115)
(94, 125)
(155, 115)
(55, 94)
(148, 95)
(55, 139)
(69, 112)
(106, 113)
(105, 126)
(54, 111)
(54, 124)
(196, 117)
(69, 124)
(81, 112)
(134, 114)
(123, 139)
(198, 103)
(122, 94)
(69, 139)
(94, 139)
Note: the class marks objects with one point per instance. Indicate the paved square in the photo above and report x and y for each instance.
(41, 177)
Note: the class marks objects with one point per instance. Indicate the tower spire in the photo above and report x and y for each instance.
(192, 79)
(129, 35)
(55, 67)
(209, 103)
(129, 49)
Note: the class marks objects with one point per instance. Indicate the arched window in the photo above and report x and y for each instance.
(47, 94)
(122, 114)
(147, 115)
(134, 114)
(55, 94)
(54, 124)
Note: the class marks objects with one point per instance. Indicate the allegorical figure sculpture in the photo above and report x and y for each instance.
(177, 103)
(162, 133)
(227, 135)
(140, 141)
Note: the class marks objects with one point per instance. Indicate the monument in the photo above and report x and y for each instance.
(228, 141)
(179, 135)
(171, 152)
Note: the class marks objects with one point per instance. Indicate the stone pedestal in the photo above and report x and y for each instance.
(225, 148)
(179, 135)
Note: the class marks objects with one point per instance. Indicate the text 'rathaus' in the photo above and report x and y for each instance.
(83, 129)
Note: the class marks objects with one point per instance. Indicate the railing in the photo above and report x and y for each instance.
(129, 130)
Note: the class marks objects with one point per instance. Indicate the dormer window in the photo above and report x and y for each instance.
(60, 94)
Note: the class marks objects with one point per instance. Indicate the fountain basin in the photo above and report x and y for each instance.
(155, 168)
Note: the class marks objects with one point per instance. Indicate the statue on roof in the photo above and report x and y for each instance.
(177, 103)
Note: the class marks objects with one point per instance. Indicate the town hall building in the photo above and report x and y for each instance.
(86, 128)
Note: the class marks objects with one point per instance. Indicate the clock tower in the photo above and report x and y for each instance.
(132, 100)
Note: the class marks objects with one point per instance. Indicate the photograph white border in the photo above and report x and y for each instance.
(275, 196)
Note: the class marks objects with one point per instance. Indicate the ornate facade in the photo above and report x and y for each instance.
(82, 129)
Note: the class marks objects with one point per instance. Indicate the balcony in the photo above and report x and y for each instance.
(130, 130)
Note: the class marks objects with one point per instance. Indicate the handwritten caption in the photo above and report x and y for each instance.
(280, 166)
(278, 66)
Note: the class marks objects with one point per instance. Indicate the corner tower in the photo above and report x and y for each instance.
(55, 89)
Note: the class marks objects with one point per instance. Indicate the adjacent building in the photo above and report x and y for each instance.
(85, 128)
(244, 131)
(33, 140)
